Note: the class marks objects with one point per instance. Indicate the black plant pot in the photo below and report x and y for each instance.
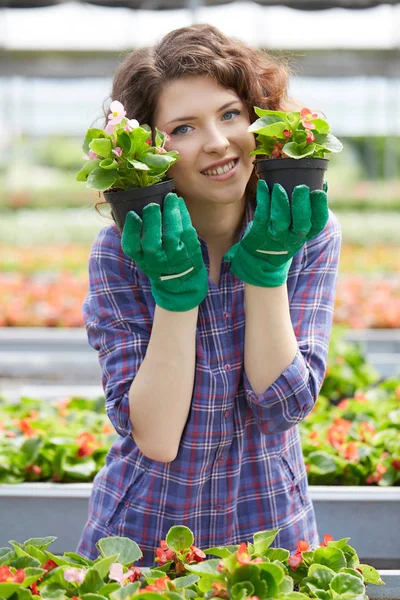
(124, 201)
(290, 172)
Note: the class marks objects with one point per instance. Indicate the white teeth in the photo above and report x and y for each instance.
(221, 170)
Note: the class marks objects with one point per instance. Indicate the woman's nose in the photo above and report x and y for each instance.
(215, 141)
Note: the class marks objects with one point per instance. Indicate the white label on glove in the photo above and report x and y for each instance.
(166, 277)
(272, 252)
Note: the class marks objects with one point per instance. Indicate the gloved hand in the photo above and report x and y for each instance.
(167, 249)
(279, 229)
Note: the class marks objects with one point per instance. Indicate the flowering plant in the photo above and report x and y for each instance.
(293, 134)
(123, 155)
(249, 571)
(356, 442)
(63, 442)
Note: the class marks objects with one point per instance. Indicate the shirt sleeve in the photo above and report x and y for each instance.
(118, 322)
(311, 289)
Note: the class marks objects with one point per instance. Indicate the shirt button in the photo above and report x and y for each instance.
(218, 507)
(221, 459)
(227, 367)
(226, 414)
(226, 315)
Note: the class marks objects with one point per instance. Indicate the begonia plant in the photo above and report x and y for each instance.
(247, 571)
(124, 155)
(297, 134)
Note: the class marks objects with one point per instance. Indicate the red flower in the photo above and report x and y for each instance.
(220, 590)
(297, 558)
(396, 464)
(277, 150)
(137, 573)
(159, 585)
(242, 555)
(87, 444)
(26, 428)
(34, 469)
(164, 554)
(195, 555)
(287, 133)
(7, 576)
(34, 590)
(327, 538)
(350, 451)
(49, 565)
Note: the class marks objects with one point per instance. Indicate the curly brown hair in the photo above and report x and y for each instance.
(258, 78)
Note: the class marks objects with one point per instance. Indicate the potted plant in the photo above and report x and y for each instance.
(128, 163)
(295, 144)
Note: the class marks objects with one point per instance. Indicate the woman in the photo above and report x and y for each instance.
(211, 320)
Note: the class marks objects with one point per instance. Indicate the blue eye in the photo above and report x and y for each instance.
(178, 130)
(231, 112)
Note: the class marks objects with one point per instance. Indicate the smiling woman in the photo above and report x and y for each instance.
(211, 316)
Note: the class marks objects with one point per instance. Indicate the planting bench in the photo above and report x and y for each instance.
(369, 516)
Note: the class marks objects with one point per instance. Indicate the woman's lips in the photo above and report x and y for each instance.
(224, 176)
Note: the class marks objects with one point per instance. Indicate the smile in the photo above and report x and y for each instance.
(222, 172)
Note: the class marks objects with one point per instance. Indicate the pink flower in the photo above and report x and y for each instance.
(92, 155)
(131, 124)
(310, 136)
(75, 574)
(117, 112)
(117, 151)
(109, 128)
(307, 116)
(117, 573)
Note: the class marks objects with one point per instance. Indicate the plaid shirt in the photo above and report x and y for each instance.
(240, 467)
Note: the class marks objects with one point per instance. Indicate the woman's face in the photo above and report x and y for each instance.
(207, 124)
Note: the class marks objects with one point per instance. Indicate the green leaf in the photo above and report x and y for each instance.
(179, 538)
(331, 557)
(101, 180)
(5, 555)
(286, 585)
(262, 112)
(221, 551)
(320, 576)
(102, 565)
(87, 168)
(92, 582)
(185, 581)
(294, 150)
(270, 130)
(276, 554)
(344, 583)
(330, 143)
(263, 540)
(138, 165)
(77, 559)
(321, 463)
(8, 589)
(127, 550)
(124, 141)
(321, 125)
(31, 448)
(108, 163)
(273, 575)
(126, 592)
(295, 596)
(102, 146)
(236, 591)
(91, 135)
(370, 574)
(94, 597)
(206, 568)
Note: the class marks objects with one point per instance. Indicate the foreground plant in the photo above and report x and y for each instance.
(293, 134)
(252, 571)
(124, 155)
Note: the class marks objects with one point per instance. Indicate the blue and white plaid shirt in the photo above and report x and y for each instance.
(240, 467)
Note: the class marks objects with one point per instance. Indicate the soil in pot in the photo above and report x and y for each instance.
(123, 201)
(290, 172)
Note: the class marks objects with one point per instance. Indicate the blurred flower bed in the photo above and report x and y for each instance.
(44, 286)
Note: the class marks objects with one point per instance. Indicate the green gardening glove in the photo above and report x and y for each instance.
(278, 231)
(167, 249)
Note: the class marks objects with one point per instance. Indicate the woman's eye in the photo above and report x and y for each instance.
(230, 112)
(182, 129)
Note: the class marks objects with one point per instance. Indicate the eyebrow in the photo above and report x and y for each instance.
(191, 118)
